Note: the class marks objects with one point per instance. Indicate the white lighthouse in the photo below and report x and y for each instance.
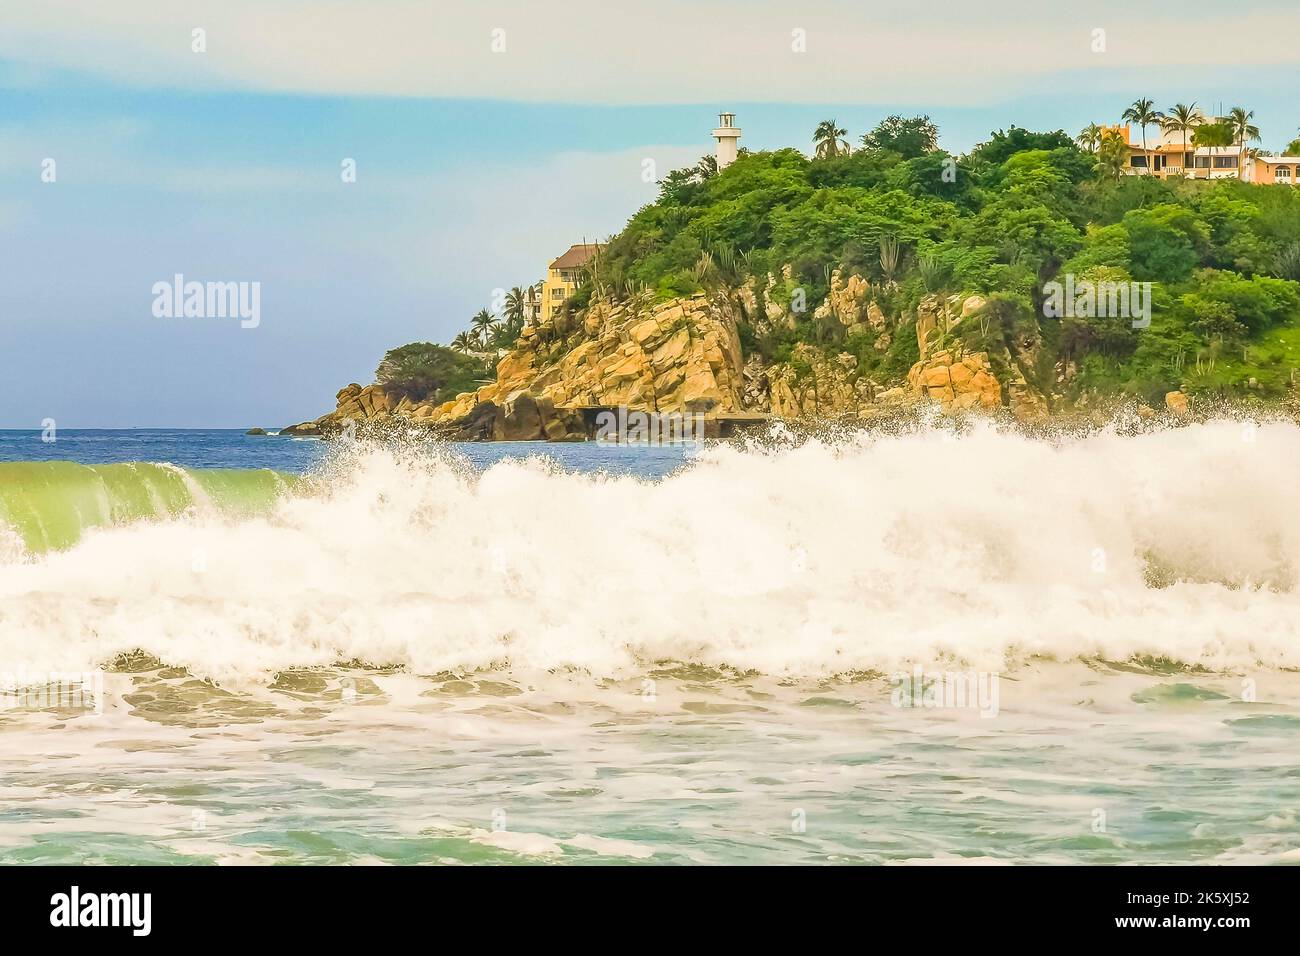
(726, 134)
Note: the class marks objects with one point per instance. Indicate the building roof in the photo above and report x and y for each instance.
(1273, 160)
(577, 255)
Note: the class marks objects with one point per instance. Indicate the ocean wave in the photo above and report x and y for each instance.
(48, 505)
(804, 558)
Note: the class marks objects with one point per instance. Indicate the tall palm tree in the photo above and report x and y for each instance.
(481, 324)
(828, 139)
(463, 342)
(1213, 135)
(1112, 154)
(503, 335)
(1182, 119)
(1242, 130)
(514, 306)
(1089, 137)
(1144, 113)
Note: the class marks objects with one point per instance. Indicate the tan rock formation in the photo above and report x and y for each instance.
(956, 381)
(936, 318)
(684, 355)
(846, 302)
(812, 386)
(678, 356)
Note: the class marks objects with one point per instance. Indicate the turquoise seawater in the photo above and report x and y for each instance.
(1081, 765)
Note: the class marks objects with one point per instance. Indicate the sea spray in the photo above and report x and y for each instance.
(972, 551)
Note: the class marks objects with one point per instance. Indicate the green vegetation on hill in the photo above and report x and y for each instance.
(1019, 211)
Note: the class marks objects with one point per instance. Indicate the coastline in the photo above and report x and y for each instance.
(672, 364)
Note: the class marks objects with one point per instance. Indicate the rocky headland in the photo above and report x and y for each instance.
(685, 355)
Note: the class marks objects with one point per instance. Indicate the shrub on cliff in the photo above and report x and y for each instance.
(422, 371)
(1166, 242)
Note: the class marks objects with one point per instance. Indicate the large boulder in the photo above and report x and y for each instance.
(846, 302)
(304, 429)
(521, 420)
(936, 318)
(484, 423)
(560, 424)
(956, 381)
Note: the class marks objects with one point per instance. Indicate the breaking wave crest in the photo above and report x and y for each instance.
(50, 504)
(810, 558)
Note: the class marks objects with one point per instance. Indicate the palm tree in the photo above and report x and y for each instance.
(516, 310)
(503, 335)
(1089, 137)
(482, 324)
(1112, 154)
(1182, 119)
(1239, 120)
(828, 140)
(463, 342)
(514, 307)
(1213, 135)
(1144, 113)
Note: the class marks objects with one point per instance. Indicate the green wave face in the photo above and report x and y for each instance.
(51, 503)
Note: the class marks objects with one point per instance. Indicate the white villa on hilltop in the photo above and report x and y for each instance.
(1168, 156)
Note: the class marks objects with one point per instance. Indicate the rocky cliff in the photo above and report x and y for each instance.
(685, 355)
(682, 355)
(678, 356)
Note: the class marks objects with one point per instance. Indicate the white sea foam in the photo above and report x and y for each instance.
(808, 559)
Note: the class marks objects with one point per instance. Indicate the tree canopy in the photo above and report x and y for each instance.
(908, 138)
(425, 372)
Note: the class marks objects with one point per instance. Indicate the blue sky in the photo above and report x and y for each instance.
(474, 168)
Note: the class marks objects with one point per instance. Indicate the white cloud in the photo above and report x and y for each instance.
(669, 51)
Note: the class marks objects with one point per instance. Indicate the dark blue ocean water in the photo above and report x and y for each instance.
(231, 448)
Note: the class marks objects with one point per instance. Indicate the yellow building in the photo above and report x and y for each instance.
(1280, 170)
(562, 276)
(1168, 157)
